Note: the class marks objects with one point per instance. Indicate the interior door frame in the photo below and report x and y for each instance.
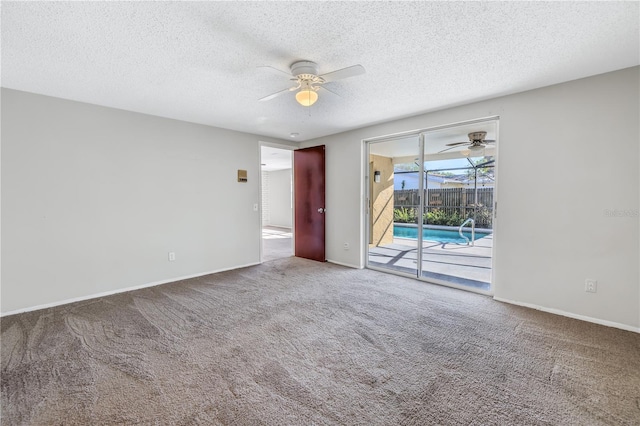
(260, 200)
(367, 209)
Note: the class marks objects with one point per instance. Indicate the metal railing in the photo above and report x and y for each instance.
(473, 231)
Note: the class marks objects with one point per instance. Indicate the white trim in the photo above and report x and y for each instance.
(571, 315)
(348, 265)
(122, 290)
(415, 132)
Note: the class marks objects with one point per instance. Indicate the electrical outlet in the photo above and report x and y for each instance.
(345, 246)
(591, 286)
(172, 256)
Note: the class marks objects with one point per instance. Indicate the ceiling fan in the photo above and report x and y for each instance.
(476, 142)
(308, 81)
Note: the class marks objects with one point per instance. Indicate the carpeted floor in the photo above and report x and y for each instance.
(276, 249)
(296, 342)
(276, 243)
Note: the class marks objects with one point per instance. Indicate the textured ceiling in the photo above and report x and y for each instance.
(273, 159)
(198, 61)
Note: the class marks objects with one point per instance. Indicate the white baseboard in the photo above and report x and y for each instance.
(120, 290)
(280, 226)
(571, 315)
(348, 265)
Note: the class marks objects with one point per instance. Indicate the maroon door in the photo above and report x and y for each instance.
(308, 184)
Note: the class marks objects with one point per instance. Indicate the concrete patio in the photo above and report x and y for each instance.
(455, 263)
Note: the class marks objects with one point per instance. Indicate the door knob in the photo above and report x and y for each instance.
(321, 210)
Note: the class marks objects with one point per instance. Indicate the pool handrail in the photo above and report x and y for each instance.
(473, 230)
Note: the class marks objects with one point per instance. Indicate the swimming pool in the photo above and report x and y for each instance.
(440, 235)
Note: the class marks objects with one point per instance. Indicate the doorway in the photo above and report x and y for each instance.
(277, 202)
(431, 204)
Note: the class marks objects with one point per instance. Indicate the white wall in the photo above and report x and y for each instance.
(279, 203)
(555, 146)
(94, 198)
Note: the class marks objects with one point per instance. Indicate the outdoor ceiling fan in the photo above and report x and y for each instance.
(476, 142)
(308, 82)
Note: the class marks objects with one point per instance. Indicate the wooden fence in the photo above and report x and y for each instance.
(451, 202)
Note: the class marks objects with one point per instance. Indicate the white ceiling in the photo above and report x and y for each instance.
(406, 149)
(273, 159)
(198, 61)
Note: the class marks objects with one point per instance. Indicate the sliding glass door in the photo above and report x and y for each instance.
(393, 224)
(431, 200)
(459, 181)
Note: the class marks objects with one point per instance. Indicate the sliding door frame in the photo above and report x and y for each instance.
(421, 133)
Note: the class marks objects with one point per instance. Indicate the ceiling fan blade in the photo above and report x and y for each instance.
(446, 149)
(351, 71)
(275, 71)
(488, 141)
(329, 90)
(274, 95)
(458, 143)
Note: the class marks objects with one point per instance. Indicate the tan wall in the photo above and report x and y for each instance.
(381, 226)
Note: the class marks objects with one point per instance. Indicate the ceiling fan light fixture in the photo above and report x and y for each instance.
(308, 82)
(476, 147)
(306, 97)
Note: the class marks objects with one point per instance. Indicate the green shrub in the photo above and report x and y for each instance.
(404, 215)
(442, 217)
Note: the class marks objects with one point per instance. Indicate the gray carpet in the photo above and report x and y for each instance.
(276, 243)
(276, 248)
(296, 342)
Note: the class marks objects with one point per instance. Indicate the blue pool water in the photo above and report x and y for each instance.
(440, 235)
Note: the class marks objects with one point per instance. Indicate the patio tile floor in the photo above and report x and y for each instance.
(455, 263)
